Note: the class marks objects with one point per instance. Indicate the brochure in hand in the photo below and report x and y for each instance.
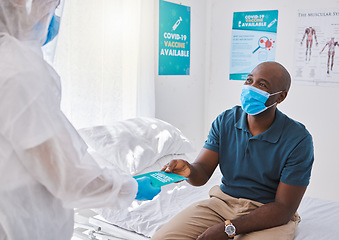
(161, 178)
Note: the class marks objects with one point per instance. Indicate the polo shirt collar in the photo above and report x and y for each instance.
(242, 121)
(272, 134)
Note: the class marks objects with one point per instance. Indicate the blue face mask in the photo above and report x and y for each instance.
(253, 100)
(53, 29)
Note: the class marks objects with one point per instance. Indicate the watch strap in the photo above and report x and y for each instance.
(227, 223)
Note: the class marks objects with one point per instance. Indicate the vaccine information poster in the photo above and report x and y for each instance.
(174, 38)
(315, 47)
(253, 41)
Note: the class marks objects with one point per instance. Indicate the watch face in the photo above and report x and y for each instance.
(230, 229)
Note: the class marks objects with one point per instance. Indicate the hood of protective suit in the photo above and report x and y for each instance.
(27, 20)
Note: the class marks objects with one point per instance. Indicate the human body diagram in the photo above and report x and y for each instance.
(331, 52)
(309, 34)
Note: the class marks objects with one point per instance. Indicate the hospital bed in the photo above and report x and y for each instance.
(160, 142)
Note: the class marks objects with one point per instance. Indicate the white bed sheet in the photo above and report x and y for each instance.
(146, 217)
(318, 215)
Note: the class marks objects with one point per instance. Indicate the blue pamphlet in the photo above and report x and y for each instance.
(161, 178)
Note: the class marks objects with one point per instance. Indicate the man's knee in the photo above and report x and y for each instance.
(189, 223)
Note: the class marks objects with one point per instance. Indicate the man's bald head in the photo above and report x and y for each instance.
(279, 74)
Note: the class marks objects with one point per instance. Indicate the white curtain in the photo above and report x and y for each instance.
(105, 57)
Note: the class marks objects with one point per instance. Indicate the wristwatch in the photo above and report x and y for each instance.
(229, 229)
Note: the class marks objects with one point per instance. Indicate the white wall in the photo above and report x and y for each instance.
(192, 102)
(179, 100)
(314, 106)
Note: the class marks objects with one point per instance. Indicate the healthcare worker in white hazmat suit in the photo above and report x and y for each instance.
(45, 170)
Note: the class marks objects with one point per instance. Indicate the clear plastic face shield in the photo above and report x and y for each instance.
(27, 20)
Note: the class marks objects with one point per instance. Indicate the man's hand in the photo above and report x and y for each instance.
(197, 172)
(179, 166)
(216, 232)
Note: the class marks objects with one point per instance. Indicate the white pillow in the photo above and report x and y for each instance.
(135, 144)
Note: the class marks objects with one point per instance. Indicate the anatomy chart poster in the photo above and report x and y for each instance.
(253, 41)
(316, 42)
(174, 38)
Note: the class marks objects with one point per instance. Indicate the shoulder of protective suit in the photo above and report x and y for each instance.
(19, 62)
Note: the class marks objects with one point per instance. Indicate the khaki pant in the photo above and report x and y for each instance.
(195, 219)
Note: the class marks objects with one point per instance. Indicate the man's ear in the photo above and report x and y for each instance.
(282, 96)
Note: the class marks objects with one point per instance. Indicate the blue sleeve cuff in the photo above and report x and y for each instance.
(211, 147)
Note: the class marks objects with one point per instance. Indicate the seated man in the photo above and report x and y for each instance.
(265, 159)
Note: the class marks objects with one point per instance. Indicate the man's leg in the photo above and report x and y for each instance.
(284, 232)
(194, 220)
(306, 54)
(307, 48)
(310, 50)
(332, 60)
(328, 62)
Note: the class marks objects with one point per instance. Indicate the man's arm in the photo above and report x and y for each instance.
(324, 48)
(199, 172)
(73, 176)
(273, 214)
(269, 215)
(315, 37)
(301, 42)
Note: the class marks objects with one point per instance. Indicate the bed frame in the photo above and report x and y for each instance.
(88, 225)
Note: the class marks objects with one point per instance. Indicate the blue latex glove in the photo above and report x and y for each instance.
(145, 189)
(53, 29)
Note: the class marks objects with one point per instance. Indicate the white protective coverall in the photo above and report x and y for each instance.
(45, 170)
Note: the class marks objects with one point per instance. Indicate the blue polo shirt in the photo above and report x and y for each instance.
(252, 167)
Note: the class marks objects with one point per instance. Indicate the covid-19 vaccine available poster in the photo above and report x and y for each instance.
(253, 41)
(174, 38)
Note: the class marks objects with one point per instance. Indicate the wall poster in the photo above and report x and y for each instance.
(316, 41)
(253, 41)
(174, 38)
